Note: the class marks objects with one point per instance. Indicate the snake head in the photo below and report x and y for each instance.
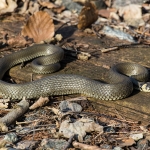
(145, 87)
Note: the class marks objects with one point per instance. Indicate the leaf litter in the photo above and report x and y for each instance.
(50, 127)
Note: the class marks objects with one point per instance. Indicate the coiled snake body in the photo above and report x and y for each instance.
(120, 85)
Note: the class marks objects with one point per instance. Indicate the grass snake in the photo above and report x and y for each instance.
(120, 86)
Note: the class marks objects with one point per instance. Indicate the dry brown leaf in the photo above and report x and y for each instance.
(47, 4)
(126, 142)
(18, 41)
(40, 27)
(87, 16)
(58, 9)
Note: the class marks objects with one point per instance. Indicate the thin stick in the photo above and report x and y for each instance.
(105, 50)
(69, 142)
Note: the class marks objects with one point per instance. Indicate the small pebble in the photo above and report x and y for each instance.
(137, 136)
(11, 137)
(117, 148)
(67, 106)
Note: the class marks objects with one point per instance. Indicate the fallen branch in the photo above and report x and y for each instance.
(12, 116)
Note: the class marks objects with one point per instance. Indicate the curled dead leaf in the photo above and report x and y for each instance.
(87, 16)
(40, 27)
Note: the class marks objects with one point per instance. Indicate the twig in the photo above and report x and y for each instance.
(116, 119)
(104, 50)
(98, 135)
(69, 142)
(142, 34)
(119, 114)
(26, 122)
(60, 20)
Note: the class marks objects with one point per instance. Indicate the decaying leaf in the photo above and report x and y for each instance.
(47, 4)
(79, 128)
(8, 6)
(18, 41)
(87, 16)
(126, 142)
(40, 27)
(50, 5)
(3, 144)
(29, 7)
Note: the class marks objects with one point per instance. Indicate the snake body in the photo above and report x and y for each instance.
(120, 86)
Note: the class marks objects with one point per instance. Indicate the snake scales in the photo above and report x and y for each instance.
(120, 85)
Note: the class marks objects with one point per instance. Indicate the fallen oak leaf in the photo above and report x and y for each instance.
(40, 27)
(87, 16)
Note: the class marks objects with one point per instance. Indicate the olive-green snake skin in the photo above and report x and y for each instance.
(120, 87)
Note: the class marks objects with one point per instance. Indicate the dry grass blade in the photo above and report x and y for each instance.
(40, 27)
